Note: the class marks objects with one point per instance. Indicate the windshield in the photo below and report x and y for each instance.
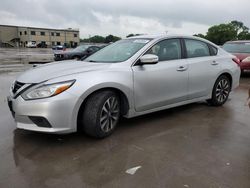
(81, 48)
(237, 47)
(119, 51)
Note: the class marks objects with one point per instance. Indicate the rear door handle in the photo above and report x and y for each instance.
(214, 63)
(182, 68)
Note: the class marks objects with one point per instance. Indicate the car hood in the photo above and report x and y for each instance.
(241, 56)
(59, 69)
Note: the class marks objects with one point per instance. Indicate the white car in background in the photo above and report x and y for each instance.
(31, 44)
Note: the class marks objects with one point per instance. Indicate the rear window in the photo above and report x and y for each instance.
(237, 47)
(196, 48)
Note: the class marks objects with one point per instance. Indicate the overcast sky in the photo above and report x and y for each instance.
(103, 17)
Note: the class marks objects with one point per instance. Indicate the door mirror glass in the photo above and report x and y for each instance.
(149, 59)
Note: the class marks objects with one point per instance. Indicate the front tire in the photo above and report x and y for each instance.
(221, 91)
(101, 114)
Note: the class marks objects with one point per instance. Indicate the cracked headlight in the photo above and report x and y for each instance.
(48, 90)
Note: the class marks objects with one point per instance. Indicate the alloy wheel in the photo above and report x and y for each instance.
(109, 114)
(222, 90)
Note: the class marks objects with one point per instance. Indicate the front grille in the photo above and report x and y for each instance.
(17, 86)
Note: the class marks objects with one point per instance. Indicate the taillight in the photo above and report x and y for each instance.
(236, 60)
(246, 60)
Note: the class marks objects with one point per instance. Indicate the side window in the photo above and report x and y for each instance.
(196, 48)
(90, 49)
(169, 49)
(97, 48)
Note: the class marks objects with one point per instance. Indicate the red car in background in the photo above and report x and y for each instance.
(241, 49)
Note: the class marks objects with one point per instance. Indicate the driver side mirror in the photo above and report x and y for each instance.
(148, 59)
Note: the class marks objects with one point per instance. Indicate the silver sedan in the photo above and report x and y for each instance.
(131, 77)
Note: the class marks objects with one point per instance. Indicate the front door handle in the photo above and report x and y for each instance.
(182, 68)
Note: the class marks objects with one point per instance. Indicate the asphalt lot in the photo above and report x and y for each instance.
(25, 55)
(195, 146)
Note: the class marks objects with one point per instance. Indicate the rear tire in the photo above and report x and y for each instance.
(242, 72)
(101, 114)
(221, 91)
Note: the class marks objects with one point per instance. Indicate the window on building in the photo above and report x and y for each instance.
(52, 34)
(42, 33)
(53, 43)
(20, 32)
(58, 43)
(25, 32)
(33, 33)
(75, 35)
(58, 34)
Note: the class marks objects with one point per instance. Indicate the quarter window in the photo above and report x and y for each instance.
(213, 50)
(196, 48)
(169, 49)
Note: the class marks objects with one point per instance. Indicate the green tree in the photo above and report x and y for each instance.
(239, 26)
(132, 35)
(235, 30)
(101, 39)
(219, 34)
(97, 39)
(200, 35)
(111, 38)
(241, 29)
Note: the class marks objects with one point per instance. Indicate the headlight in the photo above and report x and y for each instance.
(246, 60)
(48, 90)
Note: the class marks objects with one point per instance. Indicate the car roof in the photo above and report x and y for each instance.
(239, 41)
(153, 37)
(163, 36)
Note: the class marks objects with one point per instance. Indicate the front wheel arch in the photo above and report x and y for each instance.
(122, 96)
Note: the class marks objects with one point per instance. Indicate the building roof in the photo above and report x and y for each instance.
(69, 29)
